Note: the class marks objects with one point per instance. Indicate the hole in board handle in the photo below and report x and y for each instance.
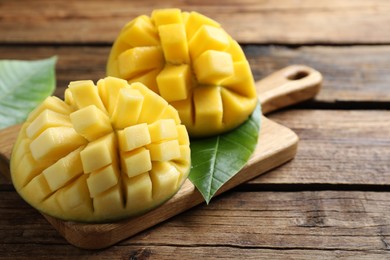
(300, 74)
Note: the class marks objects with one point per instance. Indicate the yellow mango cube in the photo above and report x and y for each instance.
(102, 180)
(136, 162)
(55, 142)
(148, 79)
(166, 16)
(174, 43)
(28, 168)
(75, 194)
(183, 162)
(133, 137)
(111, 201)
(211, 67)
(141, 33)
(46, 119)
(90, 122)
(153, 106)
(128, 100)
(50, 103)
(164, 151)
(171, 112)
(138, 60)
(183, 137)
(138, 192)
(37, 189)
(165, 178)
(24, 148)
(195, 21)
(163, 129)
(85, 93)
(64, 170)
(109, 89)
(174, 82)
(185, 110)
(234, 49)
(99, 153)
(209, 108)
(208, 38)
(233, 102)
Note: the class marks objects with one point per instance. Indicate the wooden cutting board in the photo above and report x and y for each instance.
(277, 145)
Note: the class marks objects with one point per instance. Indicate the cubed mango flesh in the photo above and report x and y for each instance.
(112, 150)
(182, 53)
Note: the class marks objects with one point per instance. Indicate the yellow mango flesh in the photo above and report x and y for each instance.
(181, 54)
(110, 151)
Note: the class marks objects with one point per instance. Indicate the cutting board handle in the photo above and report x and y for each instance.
(288, 86)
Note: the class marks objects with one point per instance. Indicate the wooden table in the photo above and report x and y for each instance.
(331, 201)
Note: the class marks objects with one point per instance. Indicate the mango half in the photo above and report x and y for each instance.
(107, 152)
(190, 61)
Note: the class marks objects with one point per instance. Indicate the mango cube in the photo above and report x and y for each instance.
(174, 82)
(133, 137)
(44, 120)
(50, 103)
(174, 44)
(64, 170)
(166, 16)
(75, 194)
(136, 162)
(165, 178)
(128, 100)
(98, 153)
(182, 135)
(141, 33)
(164, 151)
(88, 159)
(209, 107)
(138, 60)
(37, 188)
(90, 122)
(111, 200)
(28, 169)
(208, 38)
(55, 142)
(103, 179)
(196, 20)
(85, 93)
(138, 191)
(211, 67)
(163, 129)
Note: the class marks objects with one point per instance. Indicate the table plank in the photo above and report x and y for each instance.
(306, 223)
(248, 21)
(335, 147)
(354, 74)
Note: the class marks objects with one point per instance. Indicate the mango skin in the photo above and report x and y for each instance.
(190, 61)
(78, 160)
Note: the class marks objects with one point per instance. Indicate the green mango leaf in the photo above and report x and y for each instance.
(217, 159)
(23, 85)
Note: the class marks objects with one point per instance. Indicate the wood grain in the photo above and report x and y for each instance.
(351, 74)
(336, 147)
(248, 21)
(304, 224)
